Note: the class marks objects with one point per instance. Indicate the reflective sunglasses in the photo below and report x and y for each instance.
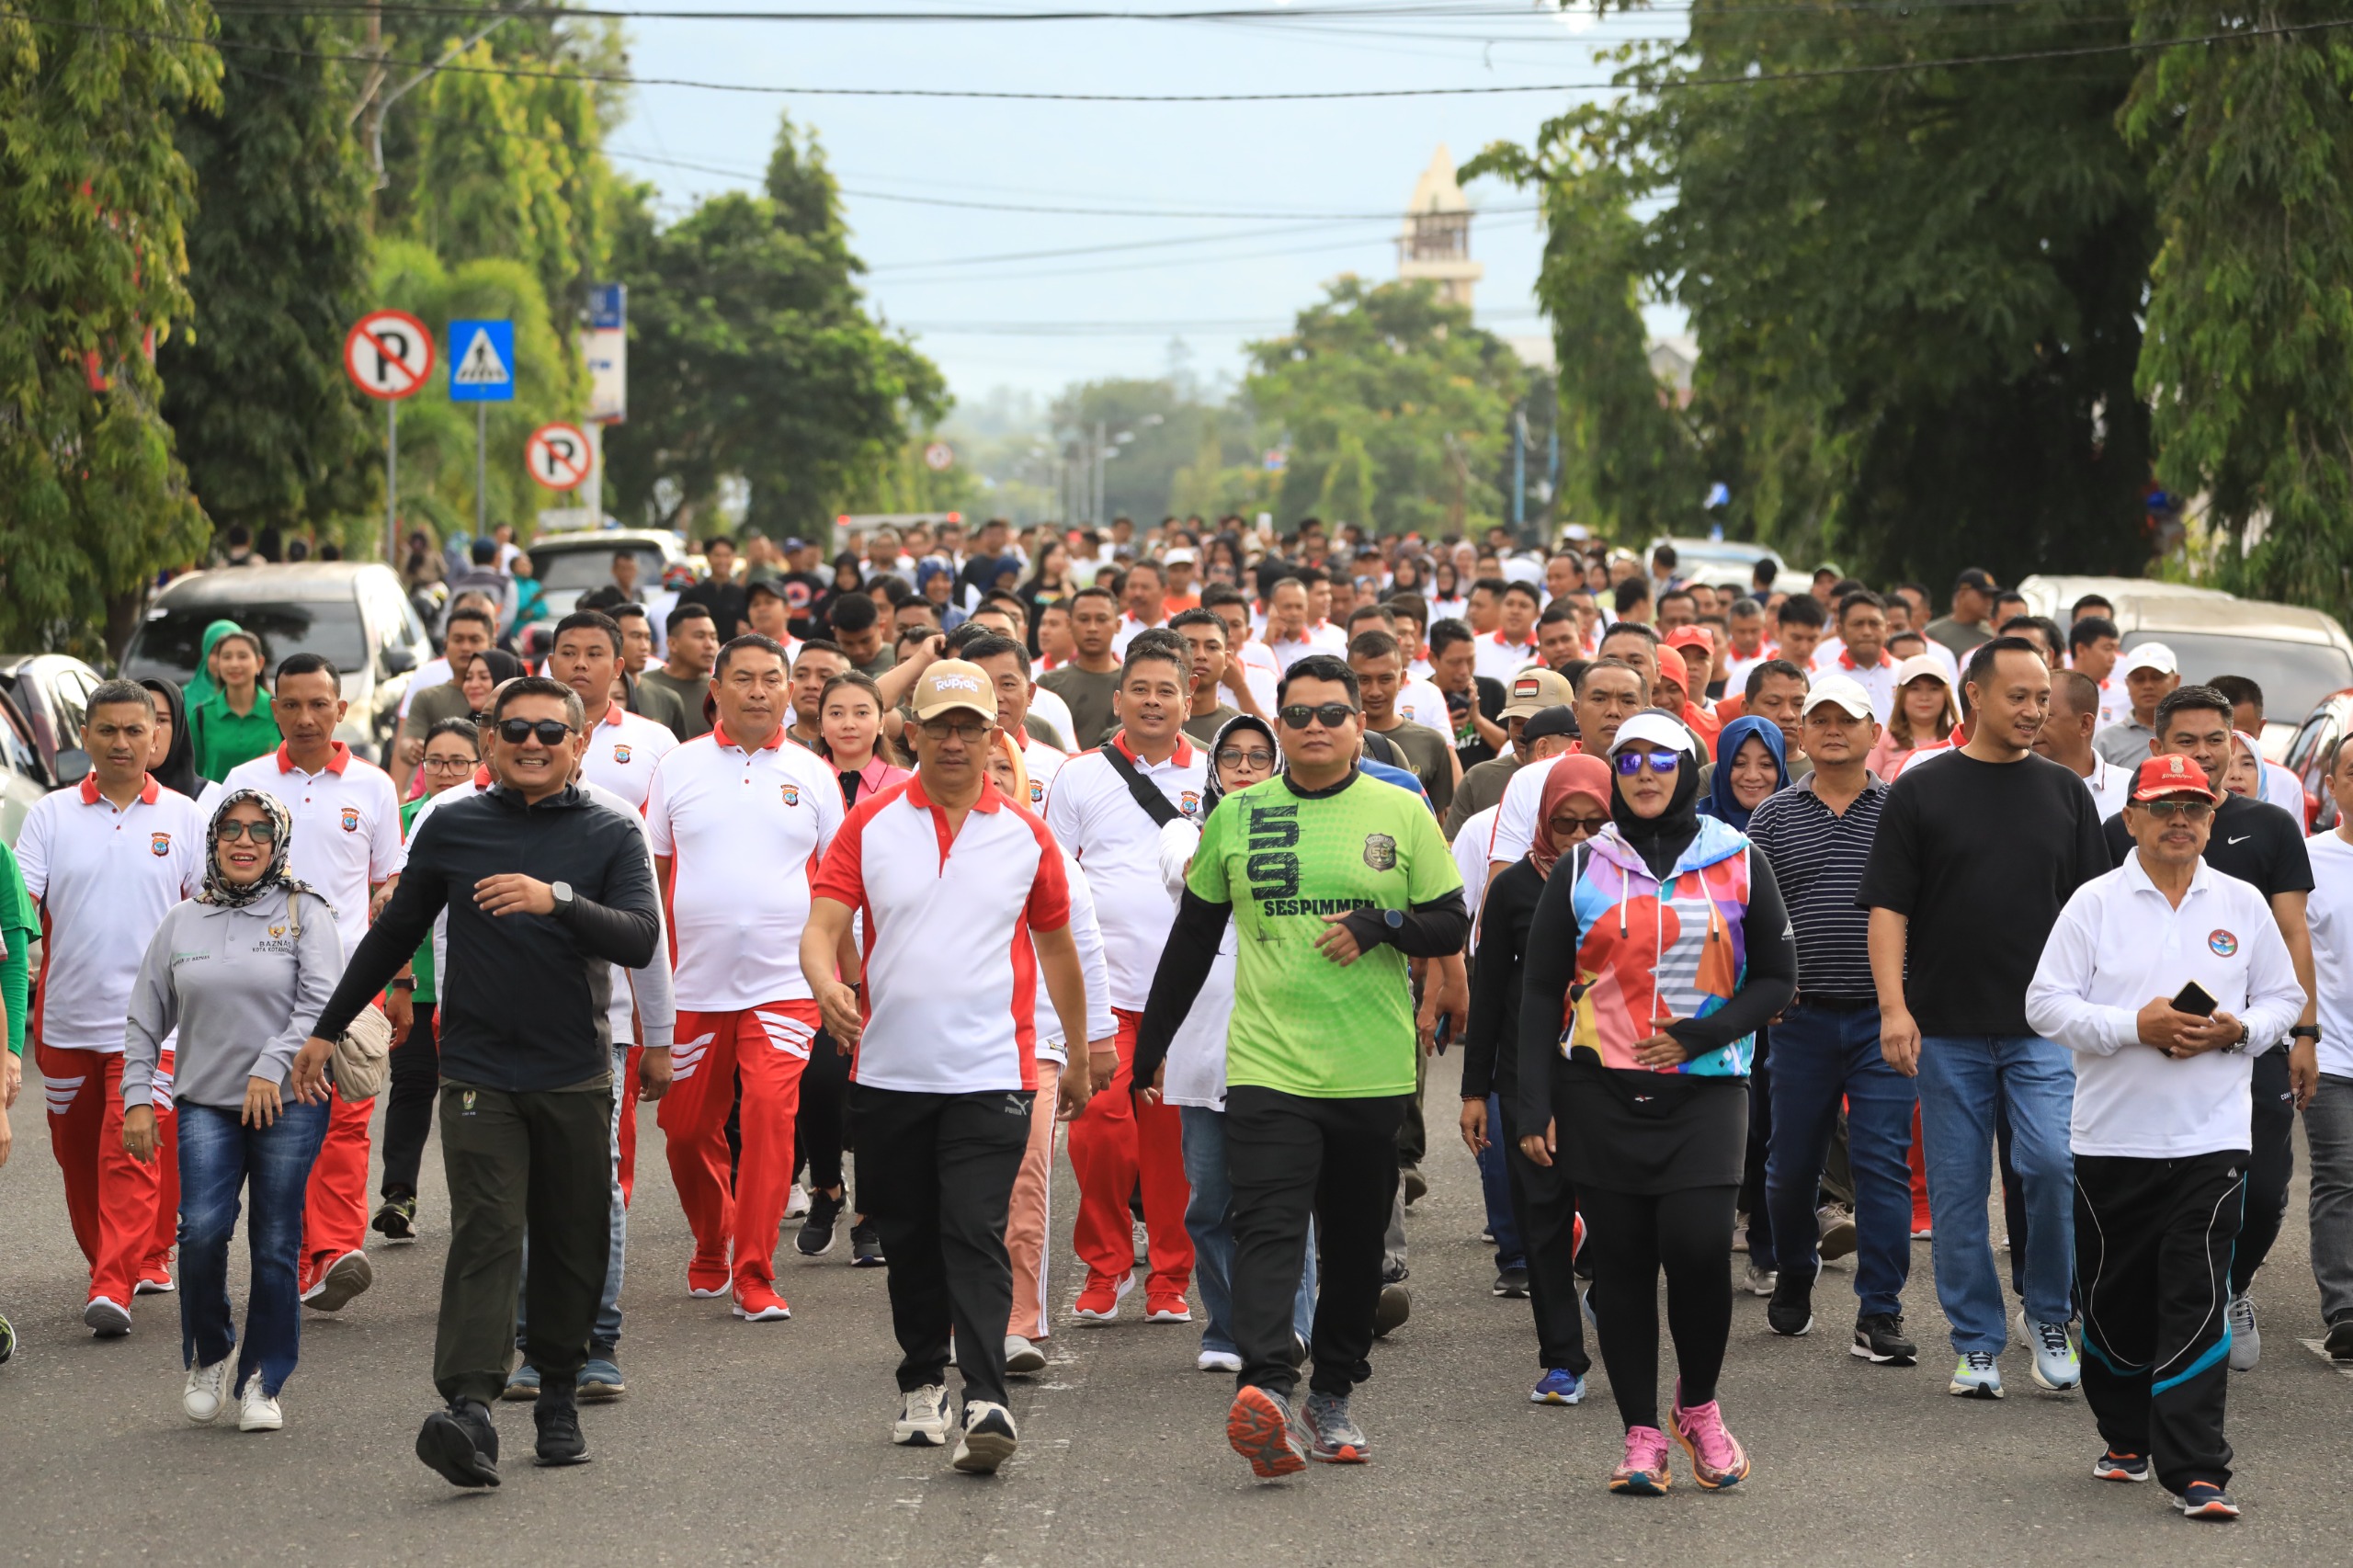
(259, 832)
(551, 732)
(1331, 715)
(1234, 756)
(1629, 763)
(2194, 810)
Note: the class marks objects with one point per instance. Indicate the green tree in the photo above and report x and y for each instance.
(2249, 356)
(272, 433)
(1422, 392)
(753, 356)
(1350, 487)
(93, 215)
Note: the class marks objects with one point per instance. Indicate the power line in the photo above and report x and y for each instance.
(1745, 79)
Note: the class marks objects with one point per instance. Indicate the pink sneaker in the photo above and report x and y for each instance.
(1717, 1458)
(1643, 1473)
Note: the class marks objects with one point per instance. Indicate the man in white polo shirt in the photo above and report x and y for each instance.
(1007, 664)
(1096, 812)
(622, 748)
(1862, 656)
(1512, 644)
(106, 861)
(2162, 1126)
(966, 909)
(347, 844)
(739, 820)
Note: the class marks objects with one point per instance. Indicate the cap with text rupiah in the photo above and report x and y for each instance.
(1535, 689)
(2149, 656)
(949, 686)
(2162, 777)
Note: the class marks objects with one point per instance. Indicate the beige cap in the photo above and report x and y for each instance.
(1534, 690)
(1845, 693)
(949, 684)
(1920, 665)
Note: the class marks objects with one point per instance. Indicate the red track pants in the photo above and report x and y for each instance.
(334, 1212)
(769, 1045)
(1114, 1144)
(124, 1213)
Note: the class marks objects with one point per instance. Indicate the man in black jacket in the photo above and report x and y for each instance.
(526, 1062)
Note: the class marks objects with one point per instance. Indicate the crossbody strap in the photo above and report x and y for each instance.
(1155, 805)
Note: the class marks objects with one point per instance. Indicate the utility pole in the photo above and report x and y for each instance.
(1519, 474)
(1099, 473)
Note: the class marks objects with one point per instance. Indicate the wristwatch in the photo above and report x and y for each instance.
(563, 891)
(2305, 1032)
(1394, 919)
(2239, 1044)
(408, 983)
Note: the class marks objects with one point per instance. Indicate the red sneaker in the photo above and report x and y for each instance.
(708, 1280)
(760, 1303)
(153, 1280)
(1167, 1307)
(1099, 1302)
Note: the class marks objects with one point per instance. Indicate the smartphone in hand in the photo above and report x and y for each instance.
(2193, 999)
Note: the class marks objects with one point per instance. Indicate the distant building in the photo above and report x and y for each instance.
(1435, 243)
(1672, 361)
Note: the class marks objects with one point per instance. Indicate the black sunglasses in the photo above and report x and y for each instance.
(551, 732)
(260, 832)
(1331, 715)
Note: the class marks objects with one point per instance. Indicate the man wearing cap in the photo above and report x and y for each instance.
(1180, 594)
(2149, 673)
(967, 911)
(1697, 650)
(1817, 834)
(2263, 847)
(1965, 628)
(1533, 692)
(2161, 1128)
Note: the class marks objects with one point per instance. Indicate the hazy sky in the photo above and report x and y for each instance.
(1042, 321)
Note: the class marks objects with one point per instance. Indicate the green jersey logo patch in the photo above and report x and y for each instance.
(1379, 851)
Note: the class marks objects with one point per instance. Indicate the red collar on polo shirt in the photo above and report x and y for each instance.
(612, 718)
(481, 777)
(775, 741)
(338, 758)
(1183, 756)
(148, 790)
(991, 797)
(1847, 661)
(1497, 637)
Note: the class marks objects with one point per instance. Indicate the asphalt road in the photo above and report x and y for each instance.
(765, 1443)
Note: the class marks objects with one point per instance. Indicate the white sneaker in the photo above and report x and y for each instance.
(257, 1412)
(1218, 1361)
(797, 1203)
(200, 1400)
(923, 1417)
(2246, 1340)
(108, 1318)
(986, 1439)
(1022, 1357)
(2056, 1366)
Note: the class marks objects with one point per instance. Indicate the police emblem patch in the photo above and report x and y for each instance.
(161, 844)
(1189, 802)
(792, 794)
(351, 819)
(1037, 793)
(1379, 851)
(620, 753)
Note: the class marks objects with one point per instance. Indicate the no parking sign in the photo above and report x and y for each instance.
(559, 455)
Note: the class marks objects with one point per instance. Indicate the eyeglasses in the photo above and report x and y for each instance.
(449, 764)
(551, 732)
(259, 832)
(2192, 811)
(1331, 715)
(1234, 756)
(1631, 763)
(971, 732)
(1578, 827)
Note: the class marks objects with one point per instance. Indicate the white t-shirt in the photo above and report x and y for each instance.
(2109, 785)
(622, 751)
(2330, 910)
(1470, 859)
(104, 879)
(1093, 816)
(1500, 659)
(743, 832)
(1514, 831)
(346, 828)
(1421, 702)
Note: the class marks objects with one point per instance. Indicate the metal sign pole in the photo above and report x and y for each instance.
(482, 470)
(391, 482)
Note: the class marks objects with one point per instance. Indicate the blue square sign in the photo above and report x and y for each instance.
(482, 361)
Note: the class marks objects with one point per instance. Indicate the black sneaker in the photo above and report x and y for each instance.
(461, 1445)
(1790, 1311)
(816, 1237)
(1881, 1340)
(865, 1245)
(1512, 1282)
(396, 1219)
(2339, 1343)
(558, 1424)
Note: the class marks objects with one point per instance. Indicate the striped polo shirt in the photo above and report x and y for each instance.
(1817, 856)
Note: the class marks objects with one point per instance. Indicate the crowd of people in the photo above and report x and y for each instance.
(1763, 929)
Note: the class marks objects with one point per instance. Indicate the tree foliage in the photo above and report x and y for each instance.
(2249, 358)
(94, 204)
(1395, 372)
(272, 434)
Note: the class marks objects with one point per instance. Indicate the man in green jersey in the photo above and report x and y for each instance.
(1334, 882)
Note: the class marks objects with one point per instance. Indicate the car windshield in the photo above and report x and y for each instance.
(167, 646)
(2293, 676)
(578, 570)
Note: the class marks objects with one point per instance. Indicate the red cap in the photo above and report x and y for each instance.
(2163, 776)
(1692, 637)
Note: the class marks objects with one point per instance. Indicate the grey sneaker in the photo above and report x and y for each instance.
(2056, 1366)
(2246, 1340)
(1331, 1437)
(522, 1383)
(600, 1379)
(923, 1417)
(1759, 1281)
(1023, 1357)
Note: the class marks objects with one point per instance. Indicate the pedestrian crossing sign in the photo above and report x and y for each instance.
(482, 361)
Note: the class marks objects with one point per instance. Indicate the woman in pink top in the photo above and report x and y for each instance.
(1924, 716)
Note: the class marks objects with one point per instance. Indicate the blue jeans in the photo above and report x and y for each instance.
(1209, 1223)
(1495, 1186)
(221, 1157)
(1822, 1055)
(1962, 1077)
(607, 1335)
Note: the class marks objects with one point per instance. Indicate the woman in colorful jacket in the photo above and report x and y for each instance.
(1657, 949)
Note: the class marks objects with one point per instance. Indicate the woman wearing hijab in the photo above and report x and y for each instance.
(206, 682)
(171, 757)
(1574, 807)
(233, 723)
(1663, 944)
(270, 961)
(484, 673)
(1752, 761)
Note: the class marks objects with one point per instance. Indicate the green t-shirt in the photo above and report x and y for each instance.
(19, 928)
(1301, 1023)
(420, 966)
(222, 738)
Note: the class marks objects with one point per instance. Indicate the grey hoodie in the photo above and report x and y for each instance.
(241, 988)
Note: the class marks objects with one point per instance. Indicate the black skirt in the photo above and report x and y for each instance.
(1649, 1133)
